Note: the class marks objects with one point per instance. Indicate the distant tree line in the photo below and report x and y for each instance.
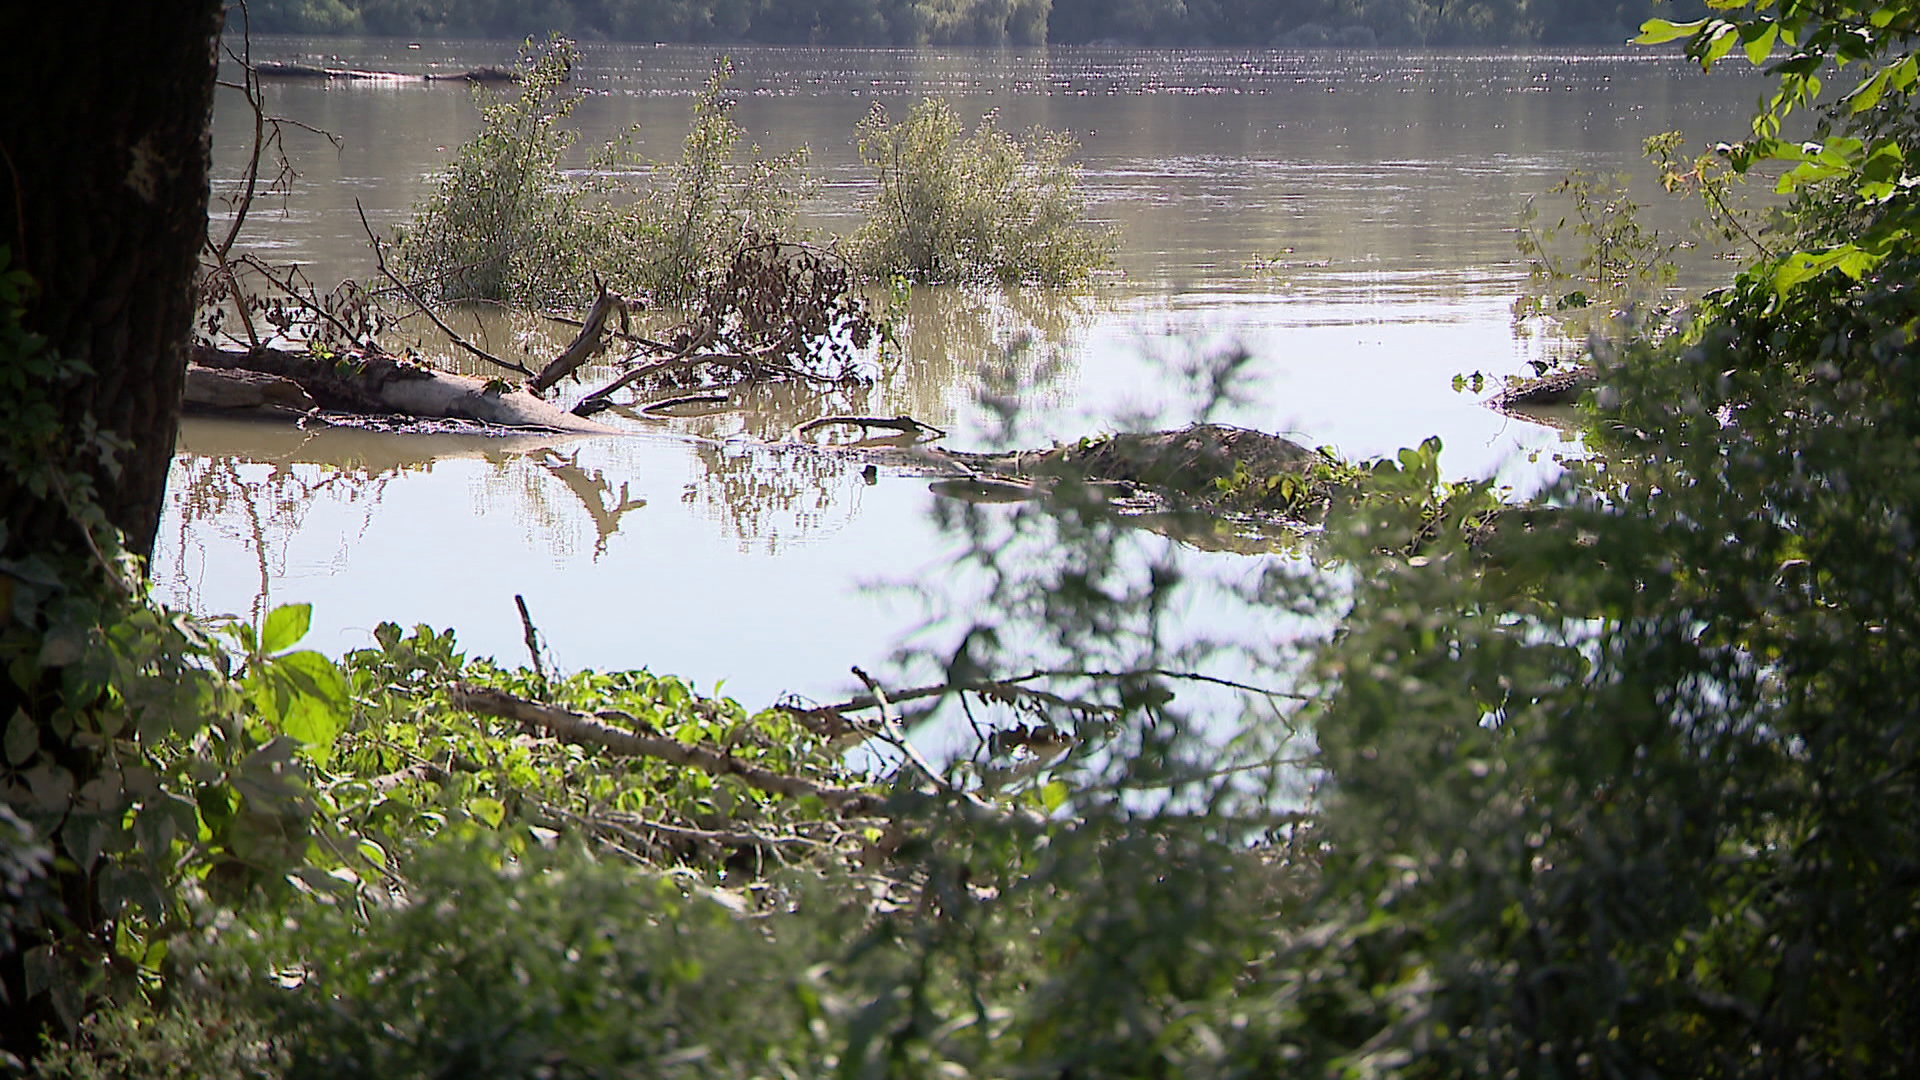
(1348, 23)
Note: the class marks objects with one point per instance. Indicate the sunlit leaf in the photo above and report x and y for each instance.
(285, 626)
(1054, 795)
(1661, 31)
(313, 705)
(489, 810)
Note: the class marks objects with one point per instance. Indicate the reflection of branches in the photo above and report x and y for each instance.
(221, 281)
(770, 493)
(214, 494)
(595, 493)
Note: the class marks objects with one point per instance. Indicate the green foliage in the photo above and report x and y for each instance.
(504, 224)
(545, 965)
(1854, 183)
(507, 225)
(980, 206)
(685, 232)
(1595, 258)
(411, 765)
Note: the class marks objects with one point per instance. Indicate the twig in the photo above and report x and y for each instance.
(906, 425)
(452, 335)
(898, 736)
(578, 727)
(532, 635)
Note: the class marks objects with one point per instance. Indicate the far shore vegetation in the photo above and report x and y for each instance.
(1219, 23)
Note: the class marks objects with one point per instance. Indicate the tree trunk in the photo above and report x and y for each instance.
(103, 199)
(104, 116)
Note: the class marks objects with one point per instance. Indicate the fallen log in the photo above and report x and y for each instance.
(1200, 465)
(236, 391)
(290, 69)
(1556, 388)
(383, 384)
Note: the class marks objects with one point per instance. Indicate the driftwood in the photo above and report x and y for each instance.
(663, 408)
(905, 425)
(1557, 388)
(289, 69)
(581, 728)
(592, 336)
(233, 391)
(382, 384)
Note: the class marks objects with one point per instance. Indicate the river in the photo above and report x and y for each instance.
(1345, 217)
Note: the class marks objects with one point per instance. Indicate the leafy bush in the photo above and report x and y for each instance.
(549, 965)
(507, 225)
(985, 206)
(504, 223)
(685, 231)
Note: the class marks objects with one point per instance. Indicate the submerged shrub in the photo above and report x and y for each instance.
(687, 230)
(983, 206)
(504, 223)
(507, 225)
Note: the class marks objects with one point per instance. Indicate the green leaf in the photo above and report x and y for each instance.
(22, 739)
(1054, 795)
(1661, 31)
(1867, 94)
(1801, 266)
(285, 625)
(489, 810)
(1760, 46)
(311, 701)
(1720, 42)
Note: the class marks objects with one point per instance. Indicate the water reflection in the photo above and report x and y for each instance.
(1342, 219)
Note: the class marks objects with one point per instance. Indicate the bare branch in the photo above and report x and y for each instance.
(380, 256)
(592, 335)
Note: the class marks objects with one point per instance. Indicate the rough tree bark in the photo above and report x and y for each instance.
(103, 200)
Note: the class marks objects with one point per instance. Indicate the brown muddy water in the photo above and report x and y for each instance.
(1346, 218)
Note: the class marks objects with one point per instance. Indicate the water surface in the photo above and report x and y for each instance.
(1345, 218)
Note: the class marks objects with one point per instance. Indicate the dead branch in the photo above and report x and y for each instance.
(599, 399)
(906, 425)
(1015, 685)
(897, 735)
(658, 408)
(532, 636)
(581, 728)
(290, 288)
(380, 256)
(592, 336)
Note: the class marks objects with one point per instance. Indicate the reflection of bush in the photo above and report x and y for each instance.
(767, 496)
